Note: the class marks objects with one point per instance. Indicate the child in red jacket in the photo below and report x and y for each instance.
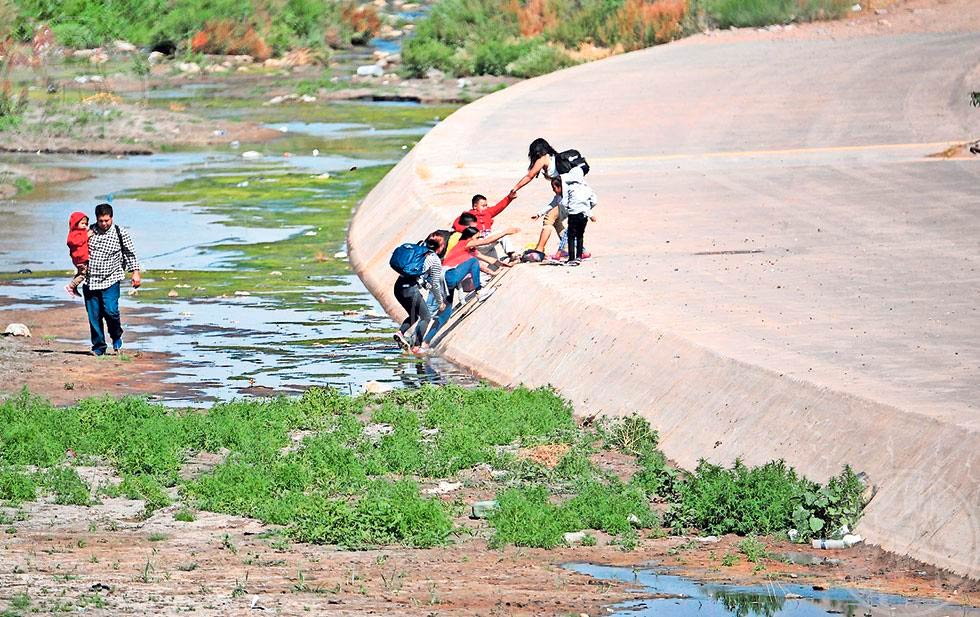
(78, 235)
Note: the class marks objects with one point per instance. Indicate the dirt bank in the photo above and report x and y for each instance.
(220, 565)
(55, 361)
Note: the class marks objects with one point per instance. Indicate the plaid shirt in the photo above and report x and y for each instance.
(106, 258)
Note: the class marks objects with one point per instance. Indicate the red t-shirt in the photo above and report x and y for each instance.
(458, 254)
(484, 218)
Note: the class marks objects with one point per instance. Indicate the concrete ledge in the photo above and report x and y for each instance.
(762, 287)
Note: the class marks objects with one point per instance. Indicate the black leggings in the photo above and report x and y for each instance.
(576, 235)
(410, 297)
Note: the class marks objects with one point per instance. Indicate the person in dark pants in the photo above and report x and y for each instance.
(111, 251)
(408, 293)
(579, 199)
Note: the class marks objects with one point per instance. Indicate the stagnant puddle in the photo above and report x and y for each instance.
(677, 596)
(308, 329)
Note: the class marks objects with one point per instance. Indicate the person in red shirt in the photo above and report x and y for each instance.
(78, 235)
(484, 222)
(484, 214)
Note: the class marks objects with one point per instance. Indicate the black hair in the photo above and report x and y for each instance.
(466, 218)
(468, 233)
(538, 148)
(433, 242)
(103, 209)
(477, 198)
(556, 181)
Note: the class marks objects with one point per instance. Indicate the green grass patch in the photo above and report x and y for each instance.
(322, 467)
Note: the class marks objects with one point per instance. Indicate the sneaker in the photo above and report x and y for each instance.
(560, 255)
(586, 254)
(483, 294)
(117, 344)
(574, 262)
(401, 341)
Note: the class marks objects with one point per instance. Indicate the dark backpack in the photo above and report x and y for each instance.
(409, 259)
(532, 256)
(570, 159)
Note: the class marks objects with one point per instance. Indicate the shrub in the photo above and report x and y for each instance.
(17, 485)
(751, 13)
(67, 486)
(422, 54)
(538, 60)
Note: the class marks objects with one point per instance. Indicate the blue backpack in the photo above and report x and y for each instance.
(409, 259)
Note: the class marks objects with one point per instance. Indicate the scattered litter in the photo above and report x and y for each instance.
(17, 329)
(218, 132)
(251, 154)
(132, 291)
(350, 313)
(100, 587)
(235, 144)
(340, 255)
(172, 293)
(374, 432)
(847, 541)
(856, 8)
(310, 233)
(185, 313)
(316, 152)
(275, 273)
(242, 184)
(323, 176)
(483, 509)
(242, 293)
(254, 605)
(376, 387)
(707, 539)
(283, 129)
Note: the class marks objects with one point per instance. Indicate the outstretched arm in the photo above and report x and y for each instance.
(475, 242)
(531, 173)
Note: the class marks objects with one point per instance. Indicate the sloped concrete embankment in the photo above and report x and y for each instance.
(780, 271)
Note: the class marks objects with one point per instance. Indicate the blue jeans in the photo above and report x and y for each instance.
(103, 304)
(454, 277)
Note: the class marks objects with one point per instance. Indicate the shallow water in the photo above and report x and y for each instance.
(331, 332)
(684, 597)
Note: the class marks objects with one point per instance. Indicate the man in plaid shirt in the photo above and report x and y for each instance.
(110, 250)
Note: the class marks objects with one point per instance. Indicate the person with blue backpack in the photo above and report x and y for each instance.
(418, 266)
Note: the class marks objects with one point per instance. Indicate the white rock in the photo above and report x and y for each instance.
(443, 488)
(251, 154)
(172, 293)
(124, 46)
(99, 58)
(276, 100)
(86, 53)
(463, 83)
(156, 57)
(376, 387)
(242, 293)
(242, 184)
(189, 68)
(275, 273)
(370, 70)
(316, 152)
(856, 8)
(306, 98)
(707, 539)
(310, 233)
(340, 255)
(323, 176)
(17, 329)
(283, 129)
(574, 537)
(216, 68)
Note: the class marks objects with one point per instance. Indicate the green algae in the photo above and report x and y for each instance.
(282, 272)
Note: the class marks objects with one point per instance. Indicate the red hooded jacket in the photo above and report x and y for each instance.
(484, 218)
(77, 239)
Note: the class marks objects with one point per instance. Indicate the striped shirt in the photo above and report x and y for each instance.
(108, 256)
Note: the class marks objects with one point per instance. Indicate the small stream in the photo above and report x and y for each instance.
(223, 344)
(677, 596)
